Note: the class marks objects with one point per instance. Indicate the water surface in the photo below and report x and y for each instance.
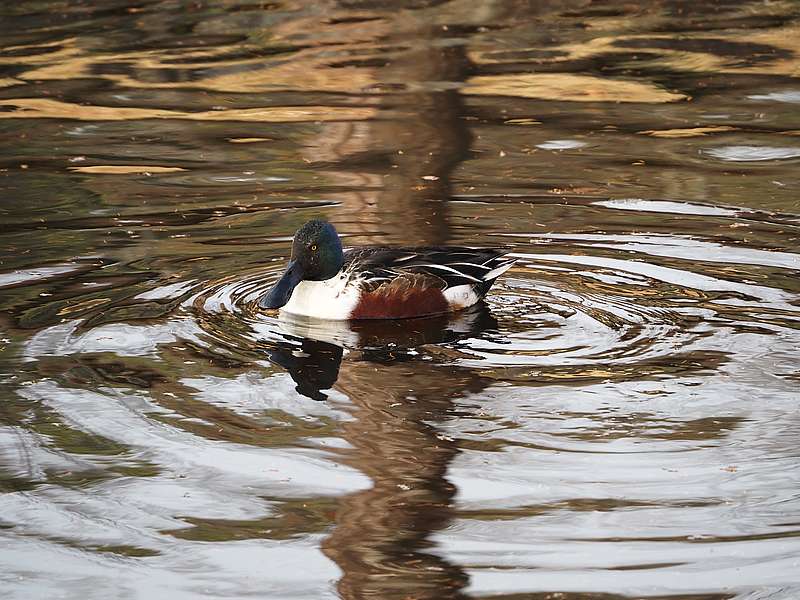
(619, 420)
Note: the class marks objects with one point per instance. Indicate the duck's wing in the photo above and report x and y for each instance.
(436, 266)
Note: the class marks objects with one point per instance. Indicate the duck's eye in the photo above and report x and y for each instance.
(313, 247)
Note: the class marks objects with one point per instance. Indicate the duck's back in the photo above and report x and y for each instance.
(413, 282)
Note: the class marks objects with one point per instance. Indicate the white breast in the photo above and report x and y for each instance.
(329, 299)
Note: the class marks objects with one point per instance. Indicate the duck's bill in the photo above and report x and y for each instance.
(281, 292)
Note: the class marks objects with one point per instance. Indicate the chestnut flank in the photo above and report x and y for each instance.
(400, 302)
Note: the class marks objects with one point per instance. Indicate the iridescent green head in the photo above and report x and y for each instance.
(316, 256)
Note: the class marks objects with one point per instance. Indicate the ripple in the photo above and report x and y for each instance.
(587, 328)
(792, 96)
(665, 206)
(753, 153)
(561, 145)
(38, 274)
(554, 317)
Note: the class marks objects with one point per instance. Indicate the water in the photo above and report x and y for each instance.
(620, 420)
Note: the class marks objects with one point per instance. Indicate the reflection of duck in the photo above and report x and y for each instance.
(371, 282)
(314, 365)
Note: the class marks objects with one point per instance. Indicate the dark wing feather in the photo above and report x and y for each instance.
(442, 267)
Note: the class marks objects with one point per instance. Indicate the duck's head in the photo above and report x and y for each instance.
(316, 256)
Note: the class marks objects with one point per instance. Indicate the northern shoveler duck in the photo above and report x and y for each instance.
(325, 282)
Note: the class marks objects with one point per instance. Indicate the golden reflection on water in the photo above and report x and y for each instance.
(125, 169)
(362, 38)
(568, 88)
(688, 132)
(43, 108)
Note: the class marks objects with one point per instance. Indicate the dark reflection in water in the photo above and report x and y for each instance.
(314, 369)
(381, 539)
(381, 535)
(620, 419)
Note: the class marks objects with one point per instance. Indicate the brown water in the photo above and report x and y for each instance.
(619, 421)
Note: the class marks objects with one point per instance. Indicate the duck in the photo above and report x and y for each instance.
(324, 281)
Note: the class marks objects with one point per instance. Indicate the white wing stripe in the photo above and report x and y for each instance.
(466, 264)
(452, 270)
(496, 272)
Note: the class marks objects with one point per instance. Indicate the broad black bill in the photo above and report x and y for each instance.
(282, 290)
